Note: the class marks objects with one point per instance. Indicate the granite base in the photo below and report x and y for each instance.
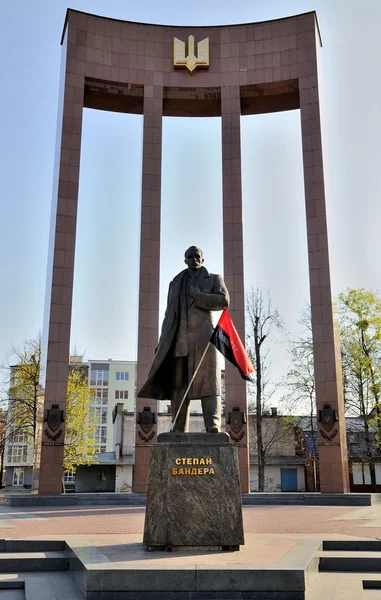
(193, 497)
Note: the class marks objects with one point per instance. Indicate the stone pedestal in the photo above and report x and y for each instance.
(193, 497)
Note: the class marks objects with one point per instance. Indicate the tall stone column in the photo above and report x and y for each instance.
(235, 386)
(333, 460)
(58, 304)
(149, 272)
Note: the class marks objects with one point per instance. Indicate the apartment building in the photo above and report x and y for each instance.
(110, 382)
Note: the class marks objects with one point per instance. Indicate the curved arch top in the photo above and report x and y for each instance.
(119, 58)
(69, 10)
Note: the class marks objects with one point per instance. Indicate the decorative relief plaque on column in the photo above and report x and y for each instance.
(236, 419)
(53, 418)
(146, 420)
(328, 417)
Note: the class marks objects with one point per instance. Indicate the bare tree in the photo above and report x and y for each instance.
(300, 397)
(261, 320)
(24, 388)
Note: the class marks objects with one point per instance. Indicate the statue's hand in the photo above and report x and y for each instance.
(193, 290)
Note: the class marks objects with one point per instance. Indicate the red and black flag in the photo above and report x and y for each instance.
(226, 339)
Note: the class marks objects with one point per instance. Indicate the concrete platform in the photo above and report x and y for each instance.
(276, 570)
(127, 499)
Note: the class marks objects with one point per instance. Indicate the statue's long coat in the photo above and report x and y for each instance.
(213, 296)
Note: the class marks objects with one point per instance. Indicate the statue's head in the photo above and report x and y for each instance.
(194, 258)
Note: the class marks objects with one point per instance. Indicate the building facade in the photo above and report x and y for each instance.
(18, 425)
(18, 459)
(110, 382)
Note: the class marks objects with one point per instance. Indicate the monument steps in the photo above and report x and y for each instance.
(92, 574)
(12, 584)
(32, 555)
(11, 562)
(9, 546)
(350, 556)
(40, 585)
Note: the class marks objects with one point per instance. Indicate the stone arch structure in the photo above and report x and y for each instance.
(128, 67)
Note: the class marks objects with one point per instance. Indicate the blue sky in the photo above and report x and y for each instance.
(106, 275)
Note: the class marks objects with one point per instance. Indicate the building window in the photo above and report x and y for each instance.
(17, 454)
(69, 477)
(357, 473)
(16, 436)
(121, 395)
(18, 477)
(100, 415)
(103, 434)
(99, 377)
(122, 375)
(100, 396)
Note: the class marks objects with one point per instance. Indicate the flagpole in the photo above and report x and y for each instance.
(189, 386)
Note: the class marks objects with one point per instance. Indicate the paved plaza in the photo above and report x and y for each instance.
(99, 522)
(272, 534)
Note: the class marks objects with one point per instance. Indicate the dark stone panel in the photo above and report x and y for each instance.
(124, 595)
(15, 565)
(244, 579)
(12, 584)
(191, 504)
(127, 595)
(141, 580)
(371, 584)
(256, 499)
(350, 564)
(353, 545)
(33, 546)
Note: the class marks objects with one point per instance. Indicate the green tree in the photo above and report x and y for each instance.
(360, 334)
(80, 443)
(261, 320)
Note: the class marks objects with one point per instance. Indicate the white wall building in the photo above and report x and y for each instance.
(18, 459)
(111, 382)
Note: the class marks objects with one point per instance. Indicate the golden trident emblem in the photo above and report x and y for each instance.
(191, 62)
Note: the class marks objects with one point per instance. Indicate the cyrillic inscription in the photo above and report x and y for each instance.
(180, 470)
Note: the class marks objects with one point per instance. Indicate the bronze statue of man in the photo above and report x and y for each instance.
(192, 297)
